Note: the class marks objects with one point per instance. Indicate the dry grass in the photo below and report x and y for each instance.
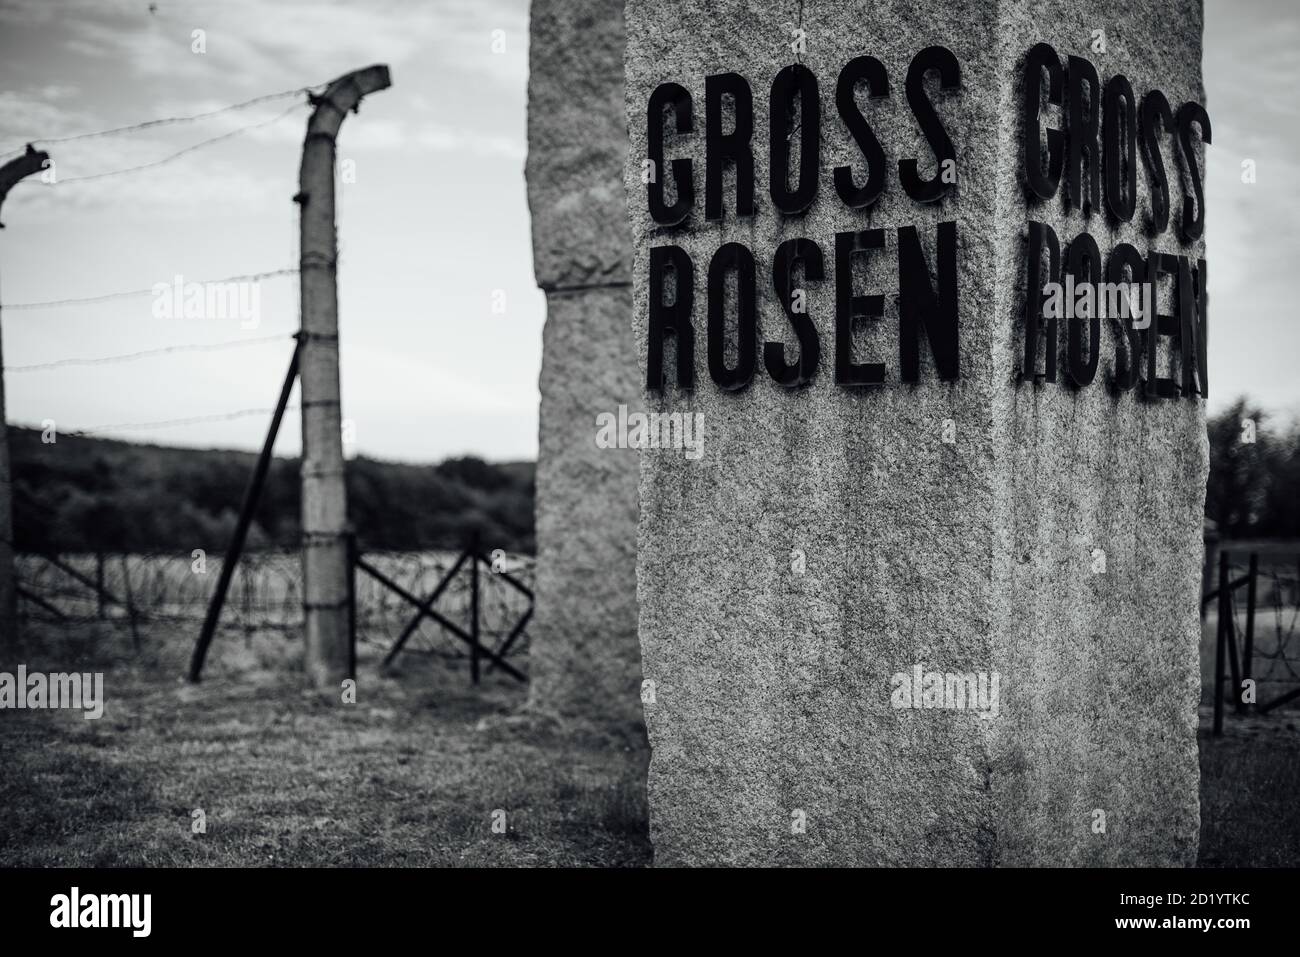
(1250, 777)
(410, 775)
(1250, 791)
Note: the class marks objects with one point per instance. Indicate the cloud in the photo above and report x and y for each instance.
(251, 40)
(432, 137)
(220, 178)
(28, 115)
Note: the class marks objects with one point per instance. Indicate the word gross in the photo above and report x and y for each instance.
(923, 305)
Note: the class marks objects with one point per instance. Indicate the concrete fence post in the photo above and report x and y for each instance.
(324, 493)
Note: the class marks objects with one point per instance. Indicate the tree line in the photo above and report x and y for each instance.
(84, 494)
(1254, 473)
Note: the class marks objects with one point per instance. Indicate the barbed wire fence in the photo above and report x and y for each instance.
(266, 595)
(127, 589)
(302, 96)
(1254, 601)
(1276, 650)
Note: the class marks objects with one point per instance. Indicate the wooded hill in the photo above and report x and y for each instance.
(86, 494)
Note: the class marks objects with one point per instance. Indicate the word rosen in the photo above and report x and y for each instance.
(651, 430)
(976, 691)
(76, 690)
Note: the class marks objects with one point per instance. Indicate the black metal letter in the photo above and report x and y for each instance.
(1084, 122)
(849, 308)
(1043, 185)
(872, 71)
(920, 306)
(1156, 117)
(940, 59)
(732, 257)
(1192, 318)
(795, 79)
(1126, 266)
(674, 317)
(1084, 257)
(1118, 108)
(1156, 386)
(732, 147)
(1192, 225)
(801, 371)
(675, 97)
(1040, 235)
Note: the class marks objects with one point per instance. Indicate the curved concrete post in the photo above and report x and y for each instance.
(324, 494)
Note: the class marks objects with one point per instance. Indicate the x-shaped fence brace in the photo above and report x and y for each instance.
(424, 609)
(1241, 665)
(102, 595)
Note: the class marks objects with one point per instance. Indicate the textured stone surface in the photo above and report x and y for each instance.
(585, 659)
(1102, 703)
(773, 687)
(577, 143)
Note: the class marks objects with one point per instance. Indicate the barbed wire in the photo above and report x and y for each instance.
(1276, 650)
(163, 121)
(165, 350)
(106, 297)
(303, 92)
(172, 423)
(266, 594)
(166, 159)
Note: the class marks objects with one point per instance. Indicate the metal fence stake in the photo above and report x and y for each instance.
(1248, 653)
(1219, 643)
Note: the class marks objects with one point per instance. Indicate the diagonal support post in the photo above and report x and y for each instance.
(515, 632)
(236, 547)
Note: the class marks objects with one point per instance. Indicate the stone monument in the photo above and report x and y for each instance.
(584, 658)
(929, 593)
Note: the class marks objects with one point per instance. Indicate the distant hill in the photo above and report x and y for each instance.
(87, 494)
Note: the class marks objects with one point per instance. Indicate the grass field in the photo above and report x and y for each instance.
(409, 775)
(1250, 791)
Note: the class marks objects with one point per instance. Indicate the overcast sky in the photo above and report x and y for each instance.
(435, 222)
